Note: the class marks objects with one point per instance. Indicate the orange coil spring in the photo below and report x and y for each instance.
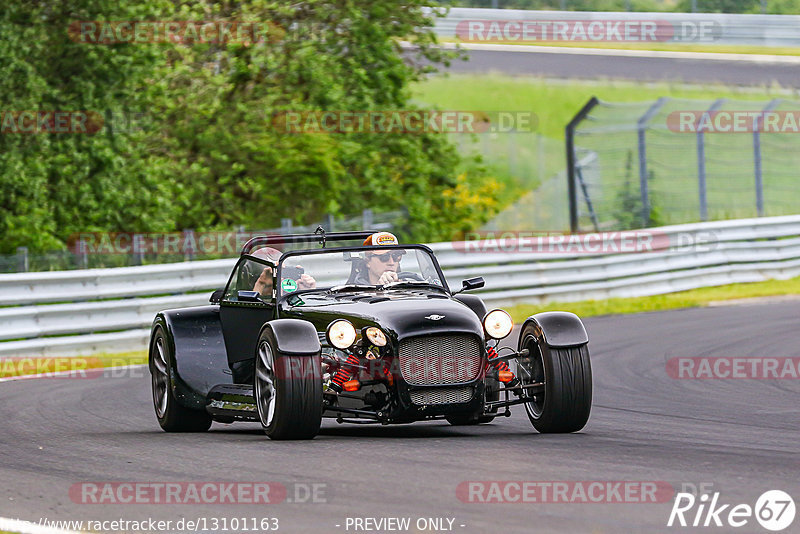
(344, 374)
(501, 365)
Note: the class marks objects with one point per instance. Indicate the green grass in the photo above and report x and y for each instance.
(555, 102)
(672, 157)
(685, 299)
(659, 47)
(19, 366)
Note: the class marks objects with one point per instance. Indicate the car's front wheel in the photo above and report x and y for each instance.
(288, 391)
(171, 415)
(559, 384)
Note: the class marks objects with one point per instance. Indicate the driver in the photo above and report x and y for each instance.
(264, 282)
(380, 267)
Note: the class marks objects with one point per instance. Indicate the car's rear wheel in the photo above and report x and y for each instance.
(561, 384)
(288, 391)
(172, 416)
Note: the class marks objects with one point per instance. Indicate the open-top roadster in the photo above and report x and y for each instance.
(309, 333)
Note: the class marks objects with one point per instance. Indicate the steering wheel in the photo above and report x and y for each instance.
(408, 275)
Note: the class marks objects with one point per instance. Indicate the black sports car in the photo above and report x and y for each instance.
(310, 333)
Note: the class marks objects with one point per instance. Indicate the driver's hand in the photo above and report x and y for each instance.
(388, 277)
(306, 281)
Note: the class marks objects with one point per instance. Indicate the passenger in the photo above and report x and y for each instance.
(264, 282)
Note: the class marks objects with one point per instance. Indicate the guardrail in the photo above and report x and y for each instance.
(710, 28)
(95, 310)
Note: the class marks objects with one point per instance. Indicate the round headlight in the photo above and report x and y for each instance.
(498, 324)
(341, 334)
(376, 336)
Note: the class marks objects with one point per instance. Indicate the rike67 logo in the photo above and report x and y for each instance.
(774, 510)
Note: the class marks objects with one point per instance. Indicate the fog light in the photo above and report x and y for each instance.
(341, 334)
(498, 324)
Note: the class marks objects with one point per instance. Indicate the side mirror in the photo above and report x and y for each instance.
(471, 283)
(216, 296)
(249, 296)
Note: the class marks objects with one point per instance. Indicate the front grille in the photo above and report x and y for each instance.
(440, 360)
(441, 396)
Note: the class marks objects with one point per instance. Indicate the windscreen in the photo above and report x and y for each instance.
(380, 266)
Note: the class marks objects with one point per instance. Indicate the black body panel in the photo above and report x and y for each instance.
(200, 361)
(559, 329)
(294, 336)
(241, 323)
(399, 313)
(474, 303)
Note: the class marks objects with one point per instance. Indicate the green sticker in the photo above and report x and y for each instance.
(288, 285)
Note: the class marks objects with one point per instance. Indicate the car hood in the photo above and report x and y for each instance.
(399, 313)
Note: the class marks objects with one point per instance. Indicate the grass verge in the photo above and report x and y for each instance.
(684, 299)
(20, 366)
(555, 102)
(654, 47)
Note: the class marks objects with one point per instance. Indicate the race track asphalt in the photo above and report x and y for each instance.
(654, 69)
(739, 437)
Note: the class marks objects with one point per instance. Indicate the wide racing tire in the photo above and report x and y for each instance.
(564, 402)
(287, 390)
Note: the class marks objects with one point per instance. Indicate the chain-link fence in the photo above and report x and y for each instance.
(122, 249)
(678, 161)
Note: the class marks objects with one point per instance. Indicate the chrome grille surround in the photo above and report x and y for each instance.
(440, 360)
(427, 397)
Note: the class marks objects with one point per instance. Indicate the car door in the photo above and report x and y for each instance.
(242, 315)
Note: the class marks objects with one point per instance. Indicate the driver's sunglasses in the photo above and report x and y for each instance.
(396, 256)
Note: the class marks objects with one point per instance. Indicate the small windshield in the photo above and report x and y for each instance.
(379, 266)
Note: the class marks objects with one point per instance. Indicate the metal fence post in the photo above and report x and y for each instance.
(138, 249)
(82, 255)
(22, 260)
(757, 156)
(540, 156)
(642, 124)
(328, 223)
(286, 226)
(570, 138)
(701, 159)
(366, 219)
(189, 245)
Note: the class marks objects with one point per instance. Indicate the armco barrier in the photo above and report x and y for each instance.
(728, 29)
(110, 310)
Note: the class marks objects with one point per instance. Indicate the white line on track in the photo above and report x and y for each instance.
(57, 374)
(705, 56)
(26, 527)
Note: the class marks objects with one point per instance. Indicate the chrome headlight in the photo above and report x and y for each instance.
(498, 324)
(341, 334)
(376, 336)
